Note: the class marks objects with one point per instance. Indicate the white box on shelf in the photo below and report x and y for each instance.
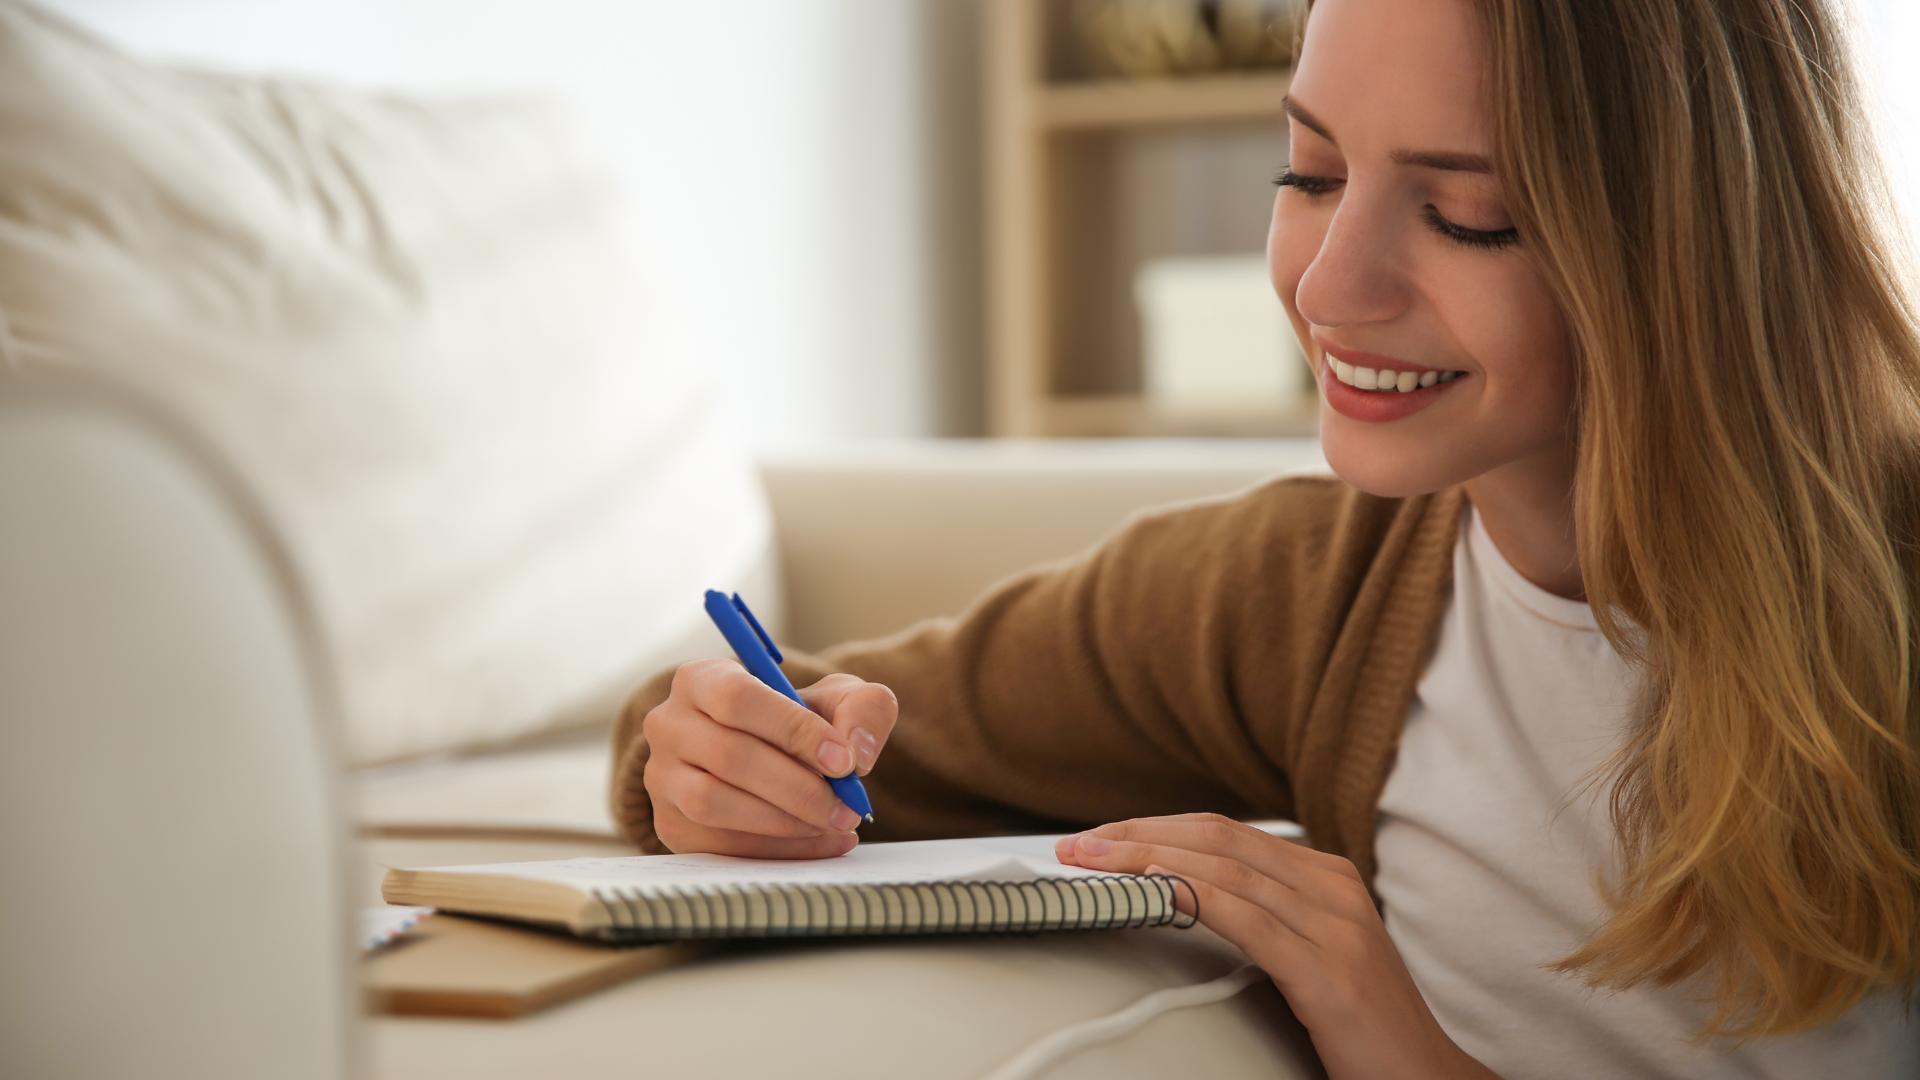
(1213, 334)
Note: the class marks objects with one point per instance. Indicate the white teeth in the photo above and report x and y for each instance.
(1387, 380)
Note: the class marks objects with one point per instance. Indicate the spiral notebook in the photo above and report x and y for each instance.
(1003, 884)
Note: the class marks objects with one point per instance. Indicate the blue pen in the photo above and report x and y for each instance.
(761, 657)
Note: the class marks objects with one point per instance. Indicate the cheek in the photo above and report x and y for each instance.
(1513, 327)
(1293, 239)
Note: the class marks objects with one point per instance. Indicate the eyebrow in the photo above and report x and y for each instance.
(1444, 160)
(1307, 120)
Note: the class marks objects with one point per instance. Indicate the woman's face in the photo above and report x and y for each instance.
(1393, 253)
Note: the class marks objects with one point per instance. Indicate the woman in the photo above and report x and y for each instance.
(1596, 671)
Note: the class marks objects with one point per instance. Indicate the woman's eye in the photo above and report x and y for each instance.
(1308, 185)
(1483, 239)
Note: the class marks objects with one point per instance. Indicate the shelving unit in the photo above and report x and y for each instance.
(1088, 178)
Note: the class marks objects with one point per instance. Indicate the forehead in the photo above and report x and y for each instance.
(1387, 75)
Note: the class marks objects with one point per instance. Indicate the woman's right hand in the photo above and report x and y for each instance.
(735, 767)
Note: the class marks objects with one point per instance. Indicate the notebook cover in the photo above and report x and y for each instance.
(454, 966)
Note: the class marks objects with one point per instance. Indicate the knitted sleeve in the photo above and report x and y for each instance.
(1168, 670)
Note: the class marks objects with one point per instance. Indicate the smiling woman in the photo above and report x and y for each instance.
(1690, 186)
(1592, 678)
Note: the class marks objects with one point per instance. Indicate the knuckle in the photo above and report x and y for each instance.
(684, 679)
(729, 757)
(732, 697)
(1349, 937)
(1269, 924)
(1353, 898)
(799, 729)
(700, 801)
(836, 681)
(878, 704)
(817, 802)
(673, 835)
(1218, 832)
(1350, 888)
(1338, 864)
(1239, 876)
(689, 677)
(654, 723)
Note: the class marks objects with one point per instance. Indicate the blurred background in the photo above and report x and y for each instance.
(808, 184)
(810, 196)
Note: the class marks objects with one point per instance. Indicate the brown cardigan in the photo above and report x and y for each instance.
(1252, 656)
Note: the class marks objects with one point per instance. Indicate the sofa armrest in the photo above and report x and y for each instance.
(877, 536)
(174, 891)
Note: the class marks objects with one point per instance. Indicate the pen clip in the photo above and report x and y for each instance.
(772, 649)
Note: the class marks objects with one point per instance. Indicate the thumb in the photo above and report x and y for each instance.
(864, 712)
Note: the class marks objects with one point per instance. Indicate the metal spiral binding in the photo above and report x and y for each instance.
(669, 912)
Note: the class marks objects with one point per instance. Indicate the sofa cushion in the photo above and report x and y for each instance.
(408, 323)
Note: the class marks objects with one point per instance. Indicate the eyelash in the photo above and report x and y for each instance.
(1308, 185)
(1481, 239)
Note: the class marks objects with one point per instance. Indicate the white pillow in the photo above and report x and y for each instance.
(410, 326)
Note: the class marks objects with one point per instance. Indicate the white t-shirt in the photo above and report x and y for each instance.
(1488, 848)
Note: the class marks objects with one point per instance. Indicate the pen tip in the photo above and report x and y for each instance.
(869, 817)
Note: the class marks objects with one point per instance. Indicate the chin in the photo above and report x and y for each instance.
(1388, 467)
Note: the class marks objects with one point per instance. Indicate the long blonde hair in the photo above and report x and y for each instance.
(1698, 181)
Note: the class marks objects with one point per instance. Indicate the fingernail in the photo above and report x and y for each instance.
(865, 748)
(847, 843)
(1094, 845)
(843, 819)
(834, 760)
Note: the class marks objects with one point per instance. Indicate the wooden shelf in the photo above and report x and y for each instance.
(1115, 103)
(1088, 179)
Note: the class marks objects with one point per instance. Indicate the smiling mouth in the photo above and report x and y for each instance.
(1387, 380)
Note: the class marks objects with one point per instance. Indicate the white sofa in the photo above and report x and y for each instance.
(336, 496)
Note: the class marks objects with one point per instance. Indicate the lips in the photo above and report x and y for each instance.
(1380, 389)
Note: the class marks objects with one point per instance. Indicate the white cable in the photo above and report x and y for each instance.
(1030, 1062)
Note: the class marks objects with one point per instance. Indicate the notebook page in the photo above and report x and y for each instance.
(1019, 858)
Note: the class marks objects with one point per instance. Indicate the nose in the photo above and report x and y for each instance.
(1355, 279)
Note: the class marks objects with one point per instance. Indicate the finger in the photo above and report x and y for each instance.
(1316, 873)
(1250, 927)
(1298, 849)
(708, 801)
(679, 834)
(864, 712)
(772, 780)
(724, 691)
(1230, 875)
(1197, 832)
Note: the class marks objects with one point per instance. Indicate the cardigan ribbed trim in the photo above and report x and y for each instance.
(1253, 656)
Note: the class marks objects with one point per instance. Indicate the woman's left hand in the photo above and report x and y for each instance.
(1307, 919)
